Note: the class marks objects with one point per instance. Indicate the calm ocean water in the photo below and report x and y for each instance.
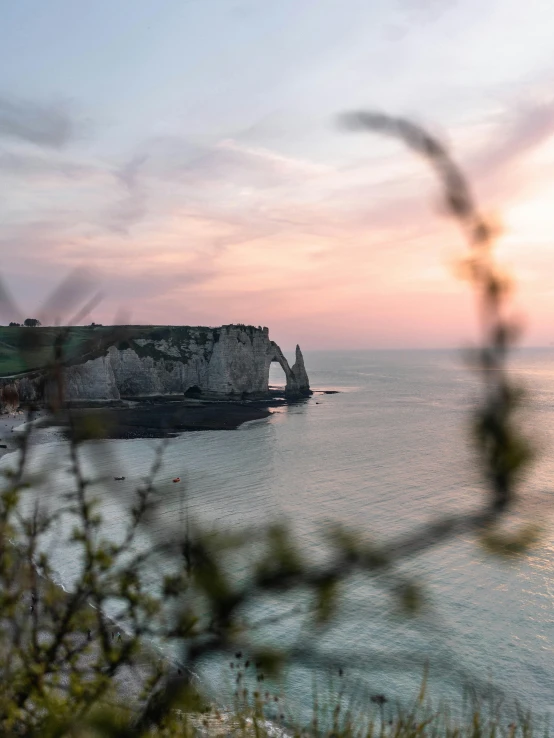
(387, 453)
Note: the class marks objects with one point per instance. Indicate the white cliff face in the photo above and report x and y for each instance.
(239, 362)
(93, 380)
(169, 360)
(142, 376)
(231, 360)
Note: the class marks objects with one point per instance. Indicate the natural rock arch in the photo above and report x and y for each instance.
(277, 376)
(297, 382)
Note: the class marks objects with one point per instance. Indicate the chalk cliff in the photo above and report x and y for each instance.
(229, 361)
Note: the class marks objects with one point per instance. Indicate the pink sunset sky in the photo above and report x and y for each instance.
(189, 152)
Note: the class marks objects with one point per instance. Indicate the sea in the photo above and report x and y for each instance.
(387, 453)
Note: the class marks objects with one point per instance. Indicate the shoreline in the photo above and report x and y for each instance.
(166, 419)
(154, 417)
(10, 424)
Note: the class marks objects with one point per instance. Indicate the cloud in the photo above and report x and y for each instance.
(140, 272)
(225, 170)
(132, 208)
(37, 166)
(158, 283)
(44, 124)
(279, 162)
(128, 173)
(225, 162)
(126, 213)
(530, 124)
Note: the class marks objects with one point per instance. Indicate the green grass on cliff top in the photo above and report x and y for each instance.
(25, 349)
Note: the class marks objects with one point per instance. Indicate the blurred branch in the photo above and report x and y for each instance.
(502, 450)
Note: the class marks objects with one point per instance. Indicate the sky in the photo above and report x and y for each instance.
(188, 154)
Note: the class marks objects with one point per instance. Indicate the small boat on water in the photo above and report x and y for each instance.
(177, 479)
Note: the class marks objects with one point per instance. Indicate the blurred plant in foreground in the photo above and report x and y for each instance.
(65, 672)
(502, 449)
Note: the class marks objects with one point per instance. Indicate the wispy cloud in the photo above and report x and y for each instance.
(129, 172)
(32, 166)
(521, 130)
(226, 161)
(132, 207)
(45, 124)
(224, 168)
(274, 160)
(126, 213)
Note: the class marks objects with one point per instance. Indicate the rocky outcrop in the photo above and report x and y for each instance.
(230, 361)
(9, 398)
(21, 391)
(296, 377)
(300, 384)
(91, 380)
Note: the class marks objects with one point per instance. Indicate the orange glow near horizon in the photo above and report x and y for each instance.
(326, 279)
(357, 266)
